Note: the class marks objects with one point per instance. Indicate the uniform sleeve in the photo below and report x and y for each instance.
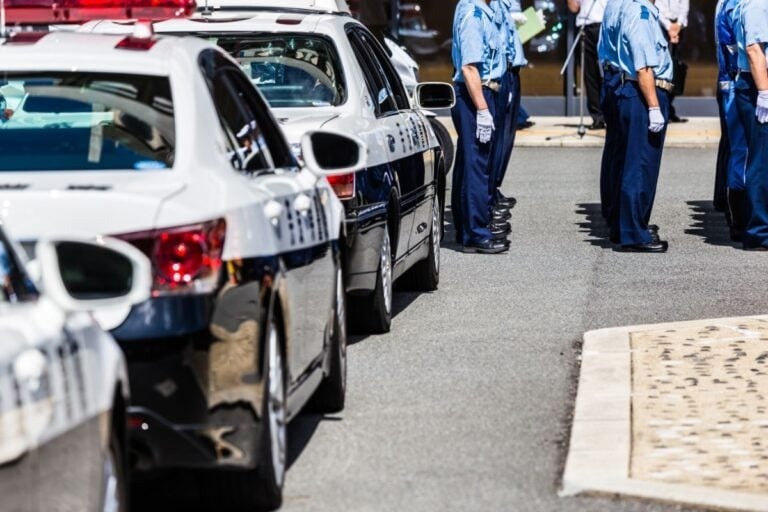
(753, 17)
(641, 41)
(471, 36)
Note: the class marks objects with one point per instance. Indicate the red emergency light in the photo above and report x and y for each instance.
(43, 12)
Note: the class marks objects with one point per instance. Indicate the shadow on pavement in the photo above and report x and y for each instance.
(709, 224)
(594, 225)
(400, 302)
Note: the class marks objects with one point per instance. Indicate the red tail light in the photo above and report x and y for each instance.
(79, 11)
(343, 185)
(185, 259)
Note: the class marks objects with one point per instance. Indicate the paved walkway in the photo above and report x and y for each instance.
(676, 412)
(699, 132)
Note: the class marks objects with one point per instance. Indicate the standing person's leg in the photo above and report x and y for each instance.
(720, 197)
(592, 77)
(464, 123)
(613, 154)
(511, 129)
(641, 166)
(505, 124)
(475, 207)
(735, 166)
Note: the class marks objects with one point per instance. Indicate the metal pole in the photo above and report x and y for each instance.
(570, 78)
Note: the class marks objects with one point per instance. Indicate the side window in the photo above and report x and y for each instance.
(270, 133)
(376, 81)
(384, 65)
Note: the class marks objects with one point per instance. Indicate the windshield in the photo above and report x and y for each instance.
(85, 121)
(290, 70)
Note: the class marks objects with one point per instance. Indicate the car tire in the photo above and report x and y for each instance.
(331, 394)
(373, 314)
(261, 488)
(446, 143)
(115, 487)
(425, 275)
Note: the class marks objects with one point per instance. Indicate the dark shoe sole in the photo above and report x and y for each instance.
(663, 247)
(468, 249)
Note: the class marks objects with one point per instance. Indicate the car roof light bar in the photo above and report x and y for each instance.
(41, 12)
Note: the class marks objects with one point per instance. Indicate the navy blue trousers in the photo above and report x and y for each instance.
(720, 196)
(756, 174)
(470, 199)
(613, 151)
(737, 143)
(642, 160)
(506, 128)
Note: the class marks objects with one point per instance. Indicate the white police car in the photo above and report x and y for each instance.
(320, 68)
(166, 144)
(63, 380)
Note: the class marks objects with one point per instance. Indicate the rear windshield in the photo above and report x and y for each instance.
(85, 121)
(290, 70)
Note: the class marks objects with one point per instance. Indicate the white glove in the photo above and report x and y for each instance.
(519, 18)
(540, 15)
(656, 120)
(485, 126)
(761, 111)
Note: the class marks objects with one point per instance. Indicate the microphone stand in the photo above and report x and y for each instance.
(581, 130)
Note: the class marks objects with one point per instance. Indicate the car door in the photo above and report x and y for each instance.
(412, 159)
(390, 121)
(262, 156)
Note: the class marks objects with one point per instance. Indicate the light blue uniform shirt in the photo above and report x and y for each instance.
(752, 28)
(608, 45)
(501, 8)
(725, 40)
(478, 40)
(641, 42)
(515, 53)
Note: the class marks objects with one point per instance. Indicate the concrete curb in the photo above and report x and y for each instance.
(601, 440)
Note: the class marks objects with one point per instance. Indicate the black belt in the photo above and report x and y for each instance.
(492, 85)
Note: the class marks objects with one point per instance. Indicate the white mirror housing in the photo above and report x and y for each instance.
(110, 311)
(327, 153)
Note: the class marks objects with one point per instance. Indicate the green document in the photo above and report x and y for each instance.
(531, 27)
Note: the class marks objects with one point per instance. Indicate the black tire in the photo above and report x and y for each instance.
(115, 491)
(425, 275)
(446, 143)
(261, 488)
(331, 394)
(373, 314)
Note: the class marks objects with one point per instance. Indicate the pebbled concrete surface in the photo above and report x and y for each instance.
(466, 405)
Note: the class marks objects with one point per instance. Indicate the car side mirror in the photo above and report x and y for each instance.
(434, 95)
(333, 154)
(104, 276)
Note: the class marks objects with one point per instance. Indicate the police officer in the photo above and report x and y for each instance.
(479, 56)
(732, 156)
(643, 102)
(509, 11)
(752, 104)
(613, 151)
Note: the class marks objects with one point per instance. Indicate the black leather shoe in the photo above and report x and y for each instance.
(677, 119)
(759, 248)
(503, 210)
(660, 246)
(597, 125)
(506, 226)
(737, 233)
(487, 247)
(653, 228)
(507, 202)
(501, 216)
(502, 231)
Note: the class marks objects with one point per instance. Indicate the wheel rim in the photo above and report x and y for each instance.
(111, 493)
(436, 233)
(341, 322)
(276, 408)
(386, 271)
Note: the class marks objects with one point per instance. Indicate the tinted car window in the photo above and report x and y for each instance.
(87, 121)
(380, 91)
(290, 70)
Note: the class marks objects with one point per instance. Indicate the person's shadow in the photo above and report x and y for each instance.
(709, 224)
(594, 225)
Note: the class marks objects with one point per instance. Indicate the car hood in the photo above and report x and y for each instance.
(83, 204)
(296, 122)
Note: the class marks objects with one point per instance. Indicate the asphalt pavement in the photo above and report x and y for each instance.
(466, 404)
